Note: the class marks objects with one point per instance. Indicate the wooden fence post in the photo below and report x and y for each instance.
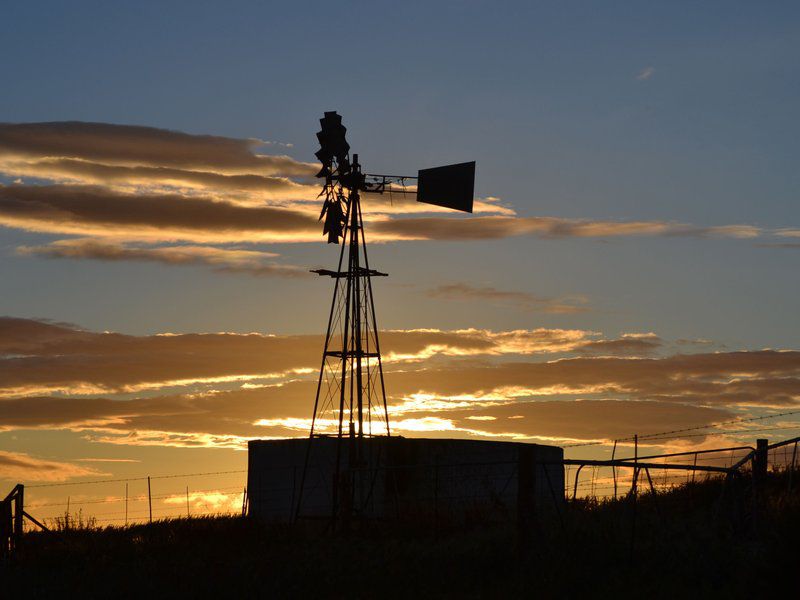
(760, 460)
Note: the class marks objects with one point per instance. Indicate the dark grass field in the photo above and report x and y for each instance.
(705, 540)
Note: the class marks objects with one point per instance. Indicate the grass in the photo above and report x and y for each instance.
(698, 540)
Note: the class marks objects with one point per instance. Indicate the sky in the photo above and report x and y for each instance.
(630, 266)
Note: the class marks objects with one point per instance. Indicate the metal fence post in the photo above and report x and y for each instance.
(19, 509)
(614, 468)
(633, 494)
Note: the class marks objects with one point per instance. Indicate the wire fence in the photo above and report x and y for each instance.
(138, 499)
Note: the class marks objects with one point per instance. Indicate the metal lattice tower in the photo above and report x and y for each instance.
(350, 393)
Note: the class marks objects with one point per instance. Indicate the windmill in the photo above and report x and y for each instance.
(350, 402)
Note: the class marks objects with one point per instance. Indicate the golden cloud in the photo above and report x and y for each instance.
(269, 384)
(99, 212)
(18, 466)
(40, 357)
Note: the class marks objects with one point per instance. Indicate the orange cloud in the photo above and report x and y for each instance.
(207, 501)
(39, 357)
(17, 466)
(99, 212)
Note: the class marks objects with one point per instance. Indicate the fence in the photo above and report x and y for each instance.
(609, 478)
(448, 489)
(125, 501)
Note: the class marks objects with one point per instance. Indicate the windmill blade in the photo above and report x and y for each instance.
(451, 186)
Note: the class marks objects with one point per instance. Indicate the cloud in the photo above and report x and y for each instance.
(229, 419)
(207, 501)
(630, 344)
(147, 184)
(226, 260)
(37, 356)
(40, 357)
(646, 73)
(23, 467)
(521, 300)
(108, 460)
(465, 382)
(100, 212)
(129, 145)
(127, 186)
(497, 227)
(92, 211)
(587, 419)
(766, 378)
(147, 160)
(88, 210)
(81, 172)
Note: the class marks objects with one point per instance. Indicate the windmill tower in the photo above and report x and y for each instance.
(350, 403)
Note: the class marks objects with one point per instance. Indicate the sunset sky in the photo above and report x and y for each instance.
(631, 265)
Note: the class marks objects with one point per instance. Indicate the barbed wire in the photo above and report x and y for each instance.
(139, 478)
(652, 436)
(141, 497)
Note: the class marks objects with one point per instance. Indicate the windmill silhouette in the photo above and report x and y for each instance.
(350, 402)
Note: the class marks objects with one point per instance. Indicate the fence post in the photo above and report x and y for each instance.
(19, 509)
(633, 494)
(614, 468)
(791, 468)
(149, 499)
(760, 463)
(760, 460)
